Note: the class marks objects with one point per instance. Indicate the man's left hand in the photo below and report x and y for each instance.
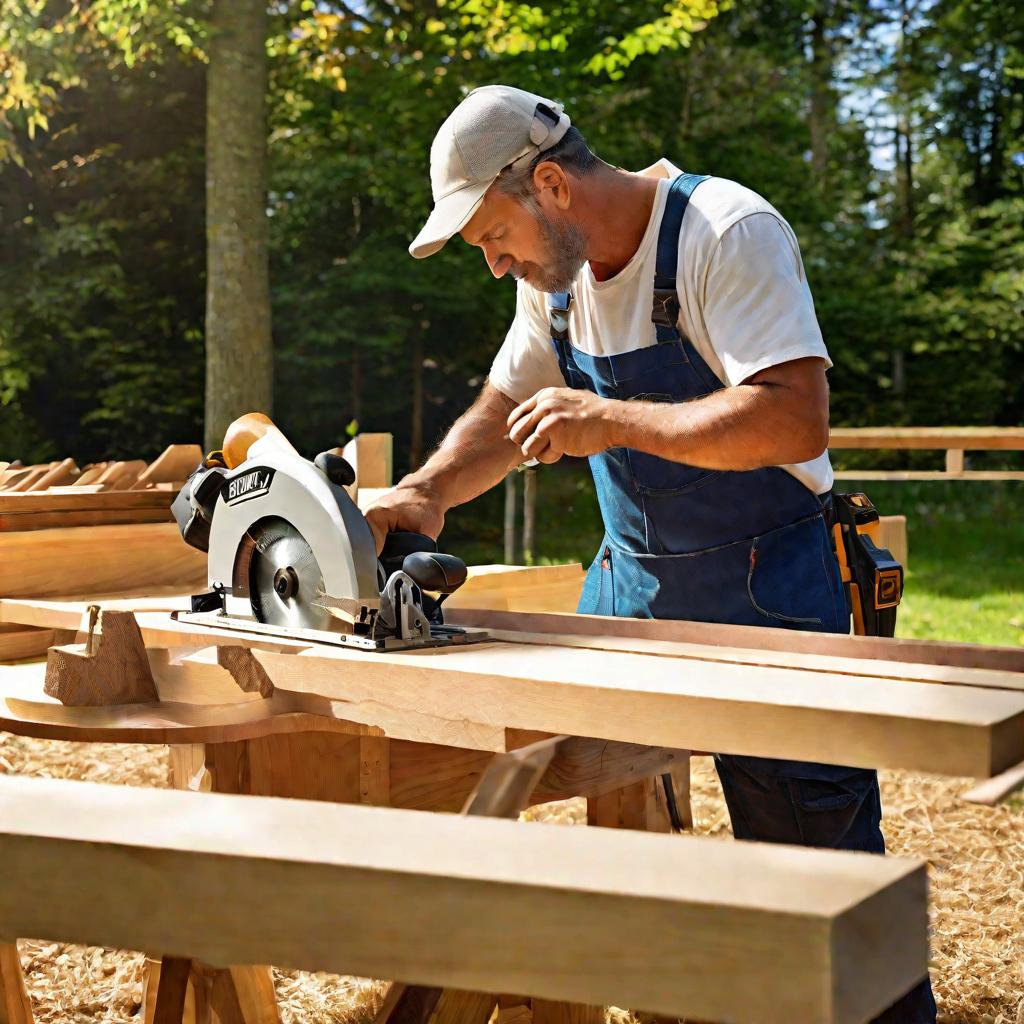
(564, 421)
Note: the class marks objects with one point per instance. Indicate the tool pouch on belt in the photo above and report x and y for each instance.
(873, 578)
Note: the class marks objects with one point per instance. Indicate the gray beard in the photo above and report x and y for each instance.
(566, 247)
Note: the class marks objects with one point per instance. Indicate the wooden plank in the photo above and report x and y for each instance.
(991, 791)
(901, 475)
(40, 563)
(12, 522)
(542, 588)
(761, 638)
(568, 915)
(174, 463)
(25, 709)
(985, 678)
(24, 481)
(28, 642)
(73, 500)
(971, 438)
(738, 709)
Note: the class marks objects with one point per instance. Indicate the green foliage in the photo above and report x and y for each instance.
(913, 247)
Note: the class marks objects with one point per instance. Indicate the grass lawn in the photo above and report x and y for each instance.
(966, 539)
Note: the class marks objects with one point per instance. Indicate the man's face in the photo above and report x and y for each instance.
(546, 250)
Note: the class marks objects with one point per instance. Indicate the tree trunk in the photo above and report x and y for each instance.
(822, 112)
(239, 367)
(356, 386)
(416, 427)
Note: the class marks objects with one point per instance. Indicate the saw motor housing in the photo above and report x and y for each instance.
(289, 551)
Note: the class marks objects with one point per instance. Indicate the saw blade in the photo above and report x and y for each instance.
(286, 586)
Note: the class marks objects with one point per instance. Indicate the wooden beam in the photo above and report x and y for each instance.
(540, 588)
(903, 475)
(971, 438)
(760, 638)
(998, 788)
(739, 709)
(810, 935)
(101, 559)
(75, 500)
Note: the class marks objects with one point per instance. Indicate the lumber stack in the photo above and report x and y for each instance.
(60, 494)
(100, 529)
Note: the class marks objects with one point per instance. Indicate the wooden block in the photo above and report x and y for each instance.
(25, 480)
(90, 474)
(370, 455)
(811, 935)
(110, 669)
(119, 476)
(174, 464)
(97, 559)
(64, 472)
(893, 535)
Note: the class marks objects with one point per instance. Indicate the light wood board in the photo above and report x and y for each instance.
(40, 563)
(707, 929)
(761, 638)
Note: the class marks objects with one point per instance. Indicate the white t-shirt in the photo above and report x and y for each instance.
(745, 303)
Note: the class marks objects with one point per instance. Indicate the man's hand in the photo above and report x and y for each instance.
(564, 421)
(411, 507)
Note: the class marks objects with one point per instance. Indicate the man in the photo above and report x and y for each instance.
(665, 329)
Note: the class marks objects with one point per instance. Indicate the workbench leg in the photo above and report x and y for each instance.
(524, 1010)
(642, 805)
(14, 1005)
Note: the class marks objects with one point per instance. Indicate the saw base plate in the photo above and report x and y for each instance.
(447, 636)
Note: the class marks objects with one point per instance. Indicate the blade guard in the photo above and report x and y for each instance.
(275, 481)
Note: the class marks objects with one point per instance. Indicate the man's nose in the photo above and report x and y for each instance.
(497, 261)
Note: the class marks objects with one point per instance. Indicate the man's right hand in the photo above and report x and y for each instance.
(411, 507)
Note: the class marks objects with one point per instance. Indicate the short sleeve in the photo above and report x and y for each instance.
(758, 308)
(526, 362)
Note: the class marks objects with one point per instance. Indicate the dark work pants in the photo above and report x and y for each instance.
(814, 805)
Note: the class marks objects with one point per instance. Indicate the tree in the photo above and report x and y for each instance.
(239, 358)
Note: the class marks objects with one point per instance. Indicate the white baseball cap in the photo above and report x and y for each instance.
(493, 127)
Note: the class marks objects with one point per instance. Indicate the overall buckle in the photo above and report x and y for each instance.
(666, 308)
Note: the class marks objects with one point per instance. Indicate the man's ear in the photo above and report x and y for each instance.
(549, 177)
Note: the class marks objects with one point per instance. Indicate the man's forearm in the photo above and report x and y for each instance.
(738, 428)
(475, 455)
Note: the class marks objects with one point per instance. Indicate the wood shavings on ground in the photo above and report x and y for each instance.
(977, 894)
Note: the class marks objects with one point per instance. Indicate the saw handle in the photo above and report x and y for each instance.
(442, 574)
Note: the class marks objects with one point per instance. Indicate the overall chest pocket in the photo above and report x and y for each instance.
(667, 377)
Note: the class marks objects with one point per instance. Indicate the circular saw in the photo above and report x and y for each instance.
(290, 554)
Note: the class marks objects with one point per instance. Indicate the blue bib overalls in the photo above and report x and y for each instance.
(749, 548)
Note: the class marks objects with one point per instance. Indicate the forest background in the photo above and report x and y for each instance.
(888, 132)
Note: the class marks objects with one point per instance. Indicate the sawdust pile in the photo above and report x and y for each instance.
(977, 894)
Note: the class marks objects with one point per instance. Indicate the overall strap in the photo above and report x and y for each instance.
(665, 313)
(558, 312)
